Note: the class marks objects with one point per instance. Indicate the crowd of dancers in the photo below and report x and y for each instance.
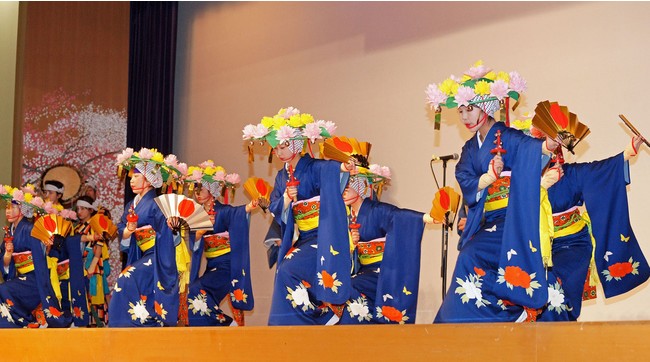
(538, 233)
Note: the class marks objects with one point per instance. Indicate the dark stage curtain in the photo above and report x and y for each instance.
(152, 61)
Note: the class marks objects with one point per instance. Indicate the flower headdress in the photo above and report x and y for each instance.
(30, 204)
(289, 125)
(214, 178)
(156, 168)
(370, 177)
(478, 86)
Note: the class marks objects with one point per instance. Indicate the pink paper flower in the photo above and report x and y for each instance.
(38, 202)
(435, 96)
(68, 214)
(219, 176)
(206, 164)
(375, 168)
(125, 155)
(196, 175)
(49, 208)
(329, 126)
(499, 89)
(249, 131)
(285, 133)
(146, 154)
(312, 132)
(29, 189)
(233, 178)
(478, 71)
(18, 195)
(464, 95)
(260, 131)
(290, 111)
(385, 171)
(182, 168)
(517, 82)
(171, 160)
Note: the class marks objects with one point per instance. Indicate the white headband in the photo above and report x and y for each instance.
(50, 187)
(84, 203)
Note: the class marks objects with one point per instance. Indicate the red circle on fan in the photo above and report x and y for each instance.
(50, 225)
(185, 208)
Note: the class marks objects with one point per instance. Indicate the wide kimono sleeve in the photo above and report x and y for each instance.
(620, 261)
(165, 272)
(50, 303)
(235, 220)
(78, 290)
(399, 275)
(521, 278)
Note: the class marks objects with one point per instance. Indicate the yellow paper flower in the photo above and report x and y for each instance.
(279, 121)
(9, 189)
(490, 75)
(191, 169)
(307, 118)
(295, 121)
(503, 76)
(28, 197)
(482, 88)
(521, 124)
(210, 170)
(58, 207)
(465, 78)
(478, 63)
(267, 122)
(219, 168)
(281, 112)
(158, 157)
(449, 87)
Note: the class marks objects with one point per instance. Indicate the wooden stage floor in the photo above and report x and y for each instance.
(597, 341)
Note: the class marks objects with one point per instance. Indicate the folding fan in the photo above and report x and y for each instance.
(189, 214)
(258, 188)
(445, 205)
(49, 225)
(101, 224)
(558, 123)
(342, 148)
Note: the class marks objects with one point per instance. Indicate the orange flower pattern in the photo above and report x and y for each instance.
(392, 314)
(514, 276)
(619, 270)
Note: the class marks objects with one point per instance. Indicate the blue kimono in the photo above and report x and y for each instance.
(499, 274)
(30, 286)
(312, 275)
(227, 272)
(386, 285)
(146, 291)
(620, 262)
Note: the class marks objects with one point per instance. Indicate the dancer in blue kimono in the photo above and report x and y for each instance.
(619, 260)
(312, 281)
(30, 291)
(226, 249)
(500, 273)
(146, 291)
(387, 243)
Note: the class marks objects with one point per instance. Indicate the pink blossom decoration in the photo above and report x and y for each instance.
(260, 131)
(125, 155)
(290, 111)
(435, 96)
(517, 82)
(385, 171)
(3, 191)
(219, 176)
(206, 164)
(182, 168)
(312, 132)
(478, 71)
(38, 202)
(18, 195)
(145, 153)
(329, 126)
(233, 178)
(375, 168)
(68, 214)
(499, 89)
(285, 133)
(49, 208)
(29, 189)
(171, 160)
(249, 131)
(464, 95)
(196, 175)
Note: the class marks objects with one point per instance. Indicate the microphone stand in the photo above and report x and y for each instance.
(445, 238)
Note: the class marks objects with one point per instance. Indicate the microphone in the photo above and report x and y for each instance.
(453, 156)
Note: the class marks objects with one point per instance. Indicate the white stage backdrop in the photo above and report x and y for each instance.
(366, 65)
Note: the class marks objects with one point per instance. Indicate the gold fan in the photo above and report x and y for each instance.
(558, 123)
(49, 225)
(257, 189)
(187, 213)
(343, 148)
(101, 224)
(445, 205)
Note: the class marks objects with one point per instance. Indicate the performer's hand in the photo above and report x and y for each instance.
(632, 148)
(350, 167)
(551, 144)
(263, 203)
(199, 234)
(292, 192)
(496, 166)
(252, 205)
(429, 220)
(131, 226)
(9, 247)
(171, 221)
(461, 223)
(551, 176)
(355, 236)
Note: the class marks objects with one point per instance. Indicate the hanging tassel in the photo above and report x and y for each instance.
(251, 157)
(271, 155)
(438, 117)
(507, 104)
(311, 153)
(503, 110)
